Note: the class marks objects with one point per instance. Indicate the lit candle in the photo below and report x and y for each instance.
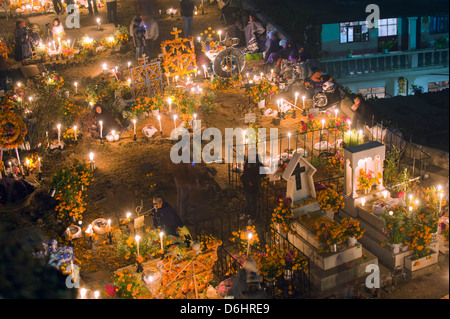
(109, 225)
(134, 126)
(75, 132)
(199, 39)
(176, 79)
(323, 123)
(363, 202)
(10, 166)
(440, 202)
(175, 121)
(96, 294)
(289, 143)
(76, 87)
(336, 112)
(391, 213)
(159, 120)
(169, 100)
(271, 74)
(204, 70)
(39, 164)
(385, 194)
(220, 35)
(105, 67)
(249, 236)
(410, 209)
(296, 96)
(410, 199)
(138, 238)
(99, 25)
(91, 161)
(161, 234)
(303, 99)
(83, 292)
(59, 133)
(101, 128)
(129, 64)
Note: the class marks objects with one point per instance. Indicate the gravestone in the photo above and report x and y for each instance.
(300, 183)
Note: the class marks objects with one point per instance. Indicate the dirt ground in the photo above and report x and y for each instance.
(121, 180)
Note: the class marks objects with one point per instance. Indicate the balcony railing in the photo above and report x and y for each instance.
(392, 61)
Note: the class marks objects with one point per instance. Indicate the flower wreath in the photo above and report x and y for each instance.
(12, 130)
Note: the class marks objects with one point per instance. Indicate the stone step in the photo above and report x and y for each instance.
(326, 280)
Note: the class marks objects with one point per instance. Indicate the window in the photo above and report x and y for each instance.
(379, 92)
(387, 27)
(438, 25)
(354, 32)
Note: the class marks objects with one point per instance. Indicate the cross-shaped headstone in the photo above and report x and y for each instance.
(298, 175)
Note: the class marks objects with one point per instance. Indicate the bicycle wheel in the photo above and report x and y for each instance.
(229, 63)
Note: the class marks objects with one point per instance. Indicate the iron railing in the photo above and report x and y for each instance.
(372, 63)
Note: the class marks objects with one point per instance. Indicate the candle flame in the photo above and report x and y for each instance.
(91, 156)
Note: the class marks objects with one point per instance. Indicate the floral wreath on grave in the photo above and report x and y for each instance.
(12, 130)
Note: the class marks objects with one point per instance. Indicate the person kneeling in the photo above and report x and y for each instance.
(165, 217)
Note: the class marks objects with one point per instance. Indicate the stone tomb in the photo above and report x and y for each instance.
(328, 270)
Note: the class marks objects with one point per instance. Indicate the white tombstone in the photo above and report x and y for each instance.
(299, 176)
(368, 157)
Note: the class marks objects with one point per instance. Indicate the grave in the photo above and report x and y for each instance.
(328, 269)
(365, 206)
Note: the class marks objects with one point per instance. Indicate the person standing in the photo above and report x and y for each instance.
(165, 217)
(138, 32)
(92, 3)
(3, 74)
(251, 180)
(187, 12)
(111, 7)
(57, 5)
(22, 43)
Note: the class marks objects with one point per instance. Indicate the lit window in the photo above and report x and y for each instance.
(387, 27)
(354, 32)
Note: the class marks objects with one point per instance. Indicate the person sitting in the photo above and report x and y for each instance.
(58, 30)
(254, 32)
(109, 122)
(272, 45)
(287, 47)
(301, 56)
(165, 217)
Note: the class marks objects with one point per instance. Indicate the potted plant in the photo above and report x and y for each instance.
(261, 91)
(387, 45)
(352, 230)
(396, 227)
(330, 200)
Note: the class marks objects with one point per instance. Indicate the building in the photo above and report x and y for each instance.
(407, 51)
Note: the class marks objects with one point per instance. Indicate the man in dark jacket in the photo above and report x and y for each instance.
(3, 74)
(22, 42)
(138, 34)
(187, 12)
(251, 180)
(165, 217)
